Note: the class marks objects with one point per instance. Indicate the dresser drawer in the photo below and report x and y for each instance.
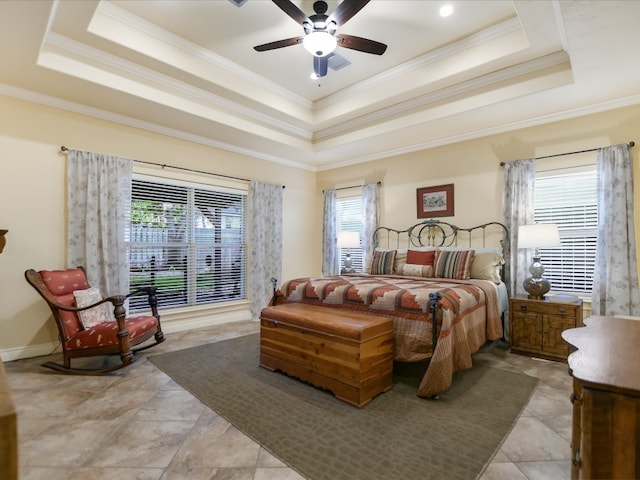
(544, 308)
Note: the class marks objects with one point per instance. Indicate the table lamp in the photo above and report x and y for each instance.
(348, 240)
(538, 235)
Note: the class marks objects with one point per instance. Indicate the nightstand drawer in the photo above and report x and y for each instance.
(545, 308)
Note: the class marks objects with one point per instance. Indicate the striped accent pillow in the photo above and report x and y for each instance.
(453, 264)
(382, 262)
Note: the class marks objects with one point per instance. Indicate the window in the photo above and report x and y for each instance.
(349, 215)
(188, 241)
(570, 200)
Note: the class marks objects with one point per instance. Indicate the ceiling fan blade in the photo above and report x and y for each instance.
(294, 12)
(346, 10)
(278, 44)
(320, 65)
(361, 44)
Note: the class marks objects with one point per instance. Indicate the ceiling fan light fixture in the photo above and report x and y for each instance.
(446, 10)
(320, 44)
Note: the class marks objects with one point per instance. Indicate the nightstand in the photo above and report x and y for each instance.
(535, 326)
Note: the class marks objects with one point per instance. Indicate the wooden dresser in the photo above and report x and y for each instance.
(606, 398)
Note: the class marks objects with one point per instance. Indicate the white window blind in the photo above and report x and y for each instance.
(570, 200)
(188, 241)
(350, 218)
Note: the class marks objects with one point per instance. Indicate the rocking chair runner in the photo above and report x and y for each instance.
(111, 337)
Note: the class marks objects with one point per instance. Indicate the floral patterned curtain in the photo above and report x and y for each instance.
(518, 206)
(98, 202)
(265, 241)
(615, 285)
(370, 207)
(329, 236)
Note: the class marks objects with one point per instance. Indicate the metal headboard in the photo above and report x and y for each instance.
(438, 233)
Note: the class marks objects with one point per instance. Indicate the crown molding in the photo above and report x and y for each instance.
(54, 102)
(124, 17)
(422, 61)
(450, 92)
(568, 114)
(146, 76)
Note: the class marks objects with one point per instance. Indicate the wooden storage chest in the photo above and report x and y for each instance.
(348, 353)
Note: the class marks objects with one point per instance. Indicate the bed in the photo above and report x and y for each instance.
(433, 269)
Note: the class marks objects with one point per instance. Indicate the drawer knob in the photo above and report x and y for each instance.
(575, 398)
(523, 308)
(562, 311)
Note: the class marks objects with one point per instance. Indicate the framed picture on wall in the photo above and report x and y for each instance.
(435, 201)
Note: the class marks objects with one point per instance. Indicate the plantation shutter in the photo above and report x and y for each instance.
(569, 199)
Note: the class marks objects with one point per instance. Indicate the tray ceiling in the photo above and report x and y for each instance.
(188, 69)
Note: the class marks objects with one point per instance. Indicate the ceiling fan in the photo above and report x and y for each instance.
(320, 38)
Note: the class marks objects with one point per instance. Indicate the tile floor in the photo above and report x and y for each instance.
(139, 424)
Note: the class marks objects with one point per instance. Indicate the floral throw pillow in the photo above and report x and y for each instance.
(96, 315)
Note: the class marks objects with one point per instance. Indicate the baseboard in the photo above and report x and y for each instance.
(174, 320)
(178, 320)
(29, 351)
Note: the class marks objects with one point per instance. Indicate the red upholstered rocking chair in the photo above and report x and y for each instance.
(86, 324)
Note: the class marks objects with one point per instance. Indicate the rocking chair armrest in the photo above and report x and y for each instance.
(150, 291)
(141, 290)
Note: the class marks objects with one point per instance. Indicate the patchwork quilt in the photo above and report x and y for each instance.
(467, 316)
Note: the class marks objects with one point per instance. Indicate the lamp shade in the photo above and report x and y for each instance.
(538, 235)
(348, 239)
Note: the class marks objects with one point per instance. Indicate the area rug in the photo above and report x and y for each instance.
(396, 436)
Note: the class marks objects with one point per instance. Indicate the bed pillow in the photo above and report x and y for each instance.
(399, 261)
(486, 266)
(414, 270)
(96, 315)
(454, 264)
(382, 262)
(367, 269)
(421, 257)
(478, 250)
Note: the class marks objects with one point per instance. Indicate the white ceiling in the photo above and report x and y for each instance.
(188, 68)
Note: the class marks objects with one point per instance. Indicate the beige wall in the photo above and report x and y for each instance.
(32, 192)
(474, 167)
(32, 195)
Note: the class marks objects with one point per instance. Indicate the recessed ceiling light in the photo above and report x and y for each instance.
(446, 10)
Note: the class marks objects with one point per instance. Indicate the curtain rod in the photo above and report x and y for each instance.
(65, 149)
(631, 144)
(352, 186)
